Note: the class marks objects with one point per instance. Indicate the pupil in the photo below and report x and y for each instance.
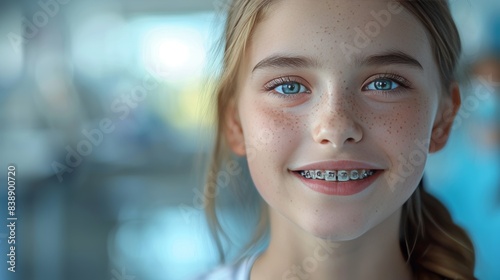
(291, 88)
(383, 85)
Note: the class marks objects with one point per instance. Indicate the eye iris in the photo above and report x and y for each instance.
(290, 88)
(383, 84)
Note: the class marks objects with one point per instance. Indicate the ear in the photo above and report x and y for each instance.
(233, 130)
(448, 109)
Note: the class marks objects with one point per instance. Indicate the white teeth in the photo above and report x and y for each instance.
(354, 174)
(340, 175)
(306, 174)
(319, 174)
(365, 173)
(330, 175)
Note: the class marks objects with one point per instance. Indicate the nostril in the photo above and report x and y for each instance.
(348, 140)
(324, 141)
(351, 140)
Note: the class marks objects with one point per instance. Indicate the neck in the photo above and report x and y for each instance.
(295, 254)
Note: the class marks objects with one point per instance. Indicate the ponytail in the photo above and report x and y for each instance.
(433, 245)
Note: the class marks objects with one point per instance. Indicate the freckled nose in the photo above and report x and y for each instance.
(335, 124)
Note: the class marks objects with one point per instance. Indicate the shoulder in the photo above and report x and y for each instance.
(237, 271)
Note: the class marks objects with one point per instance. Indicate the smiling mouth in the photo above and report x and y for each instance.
(337, 175)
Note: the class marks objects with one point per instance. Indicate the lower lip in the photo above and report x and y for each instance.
(339, 188)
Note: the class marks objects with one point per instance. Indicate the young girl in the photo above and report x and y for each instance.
(336, 106)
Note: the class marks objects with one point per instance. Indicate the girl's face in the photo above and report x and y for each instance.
(338, 86)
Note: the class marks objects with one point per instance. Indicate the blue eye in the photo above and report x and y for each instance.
(382, 84)
(291, 88)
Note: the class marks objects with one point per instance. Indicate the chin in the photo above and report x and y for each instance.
(335, 227)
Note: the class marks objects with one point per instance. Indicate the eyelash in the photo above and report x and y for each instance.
(403, 83)
(272, 85)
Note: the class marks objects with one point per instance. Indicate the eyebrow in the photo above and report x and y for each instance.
(389, 58)
(286, 61)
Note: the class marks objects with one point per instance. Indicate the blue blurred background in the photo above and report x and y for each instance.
(102, 112)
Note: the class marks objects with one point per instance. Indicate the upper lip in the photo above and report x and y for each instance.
(337, 165)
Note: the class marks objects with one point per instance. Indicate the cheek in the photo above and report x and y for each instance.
(406, 133)
(271, 136)
(403, 125)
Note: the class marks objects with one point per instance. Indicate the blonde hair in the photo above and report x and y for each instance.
(433, 245)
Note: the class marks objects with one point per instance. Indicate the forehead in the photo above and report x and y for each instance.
(339, 32)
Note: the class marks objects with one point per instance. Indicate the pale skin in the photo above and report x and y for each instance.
(334, 109)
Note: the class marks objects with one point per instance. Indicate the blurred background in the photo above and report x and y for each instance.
(101, 112)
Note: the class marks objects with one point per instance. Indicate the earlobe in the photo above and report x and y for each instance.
(444, 121)
(234, 131)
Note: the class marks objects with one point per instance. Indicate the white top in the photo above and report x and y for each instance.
(237, 271)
